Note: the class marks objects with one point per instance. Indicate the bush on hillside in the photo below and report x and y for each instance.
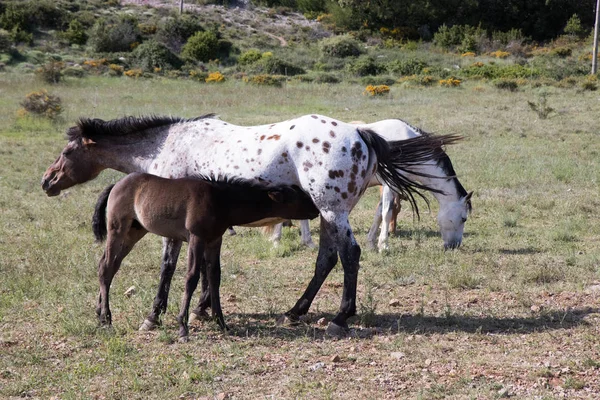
(202, 46)
(406, 67)
(76, 33)
(5, 41)
(364, 66)
(340, 46)
(42, 103)
(107, 37)
(249, 57)
(151, 55)
(175, 32)
(51, 72)
(271, 65)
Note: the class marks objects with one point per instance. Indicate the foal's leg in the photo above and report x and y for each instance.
(395, 211)
(171, 249)
(276, 235)
(326, 260)
(118, 245)
(195, 256)
(212, 258)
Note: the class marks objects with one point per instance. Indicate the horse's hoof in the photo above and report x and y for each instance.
(286, 320)
(310, 245)
(383, 249)
(198, 316)
(147, 326)
(183, 339)
(371, 246)
(337, 331)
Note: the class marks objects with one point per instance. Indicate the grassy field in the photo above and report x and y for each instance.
(513, 313)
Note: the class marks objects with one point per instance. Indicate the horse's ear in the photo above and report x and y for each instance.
(276, 196)
(468, 196)
(87, 142)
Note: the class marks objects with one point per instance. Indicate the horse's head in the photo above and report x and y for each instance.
(451, 219)
(293, 203)
(75, 164)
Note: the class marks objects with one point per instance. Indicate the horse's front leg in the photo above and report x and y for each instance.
(171, 249)
(326, 260)
(195, 257)
(204, 303)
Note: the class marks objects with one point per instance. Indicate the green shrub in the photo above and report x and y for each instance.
(151, 55)
(462, 37)
(175, 32)
(340, 46)
(28, 15)
(42, 103)
(562, 52)
(75, 72)
(5, 41)
(202, 46)
(377, 80)
(326, 78)
(249, 57)
(506, 84)
(273, 66)
(114, 37)
(364, 66)
(505, 38)
(76, 33)
(589, 85)
(574, 27)
(406, 67)
(495, 71)
(51, 72)
(265, 80)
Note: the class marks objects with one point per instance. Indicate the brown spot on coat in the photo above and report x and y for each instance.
(326, 147)
(323, 121)
(262, 137)
(332, 134)
(292, 127)
(299, 144)
(344, 195)
(315, 140)
(333, 123)
(314, 116)
(274, 137)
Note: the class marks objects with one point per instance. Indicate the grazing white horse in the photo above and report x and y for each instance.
(332, 161)
(454, 201)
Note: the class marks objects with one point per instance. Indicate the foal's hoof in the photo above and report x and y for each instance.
(147, 326)
(183, 339)
(337, 331)
(198, 316)
(287, 320)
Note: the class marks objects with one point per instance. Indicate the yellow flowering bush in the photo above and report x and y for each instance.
(478, 64)
(41, 103)
(376, 90)
(133, 73)
(115, 69)
(500, 54)
(95, 64)
(450, 82)
(215, 77)
(468, 54)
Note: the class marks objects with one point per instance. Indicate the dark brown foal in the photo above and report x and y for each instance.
(196, 210)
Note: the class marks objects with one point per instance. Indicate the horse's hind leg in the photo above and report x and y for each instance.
(387, 201)
(171, 249)
(326, 260)
(195, 256)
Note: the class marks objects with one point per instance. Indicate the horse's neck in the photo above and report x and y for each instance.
(444, 184)
(127, 158)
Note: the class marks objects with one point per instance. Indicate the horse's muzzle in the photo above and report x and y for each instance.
(452, 246)
(48, 187)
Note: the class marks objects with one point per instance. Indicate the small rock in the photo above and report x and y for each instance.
(394, 303)
(397, 355)
(130, 292)
(322, 322)
(316, 366)
(222, 396)
(335, 359)
(503, 393)
(428, 362)
(593, 289)
(535, 308)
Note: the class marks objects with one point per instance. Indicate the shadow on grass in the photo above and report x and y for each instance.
(262, 325)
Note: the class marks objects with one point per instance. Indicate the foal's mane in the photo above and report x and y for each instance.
(92, 128)
(241, 186)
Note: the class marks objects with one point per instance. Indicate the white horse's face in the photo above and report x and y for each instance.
(451, 220)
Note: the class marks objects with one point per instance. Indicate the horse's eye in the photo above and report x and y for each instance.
(66, 152)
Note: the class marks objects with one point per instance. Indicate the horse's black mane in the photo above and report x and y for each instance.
(92, 128)
(443, 161)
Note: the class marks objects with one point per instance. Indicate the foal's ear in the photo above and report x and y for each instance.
(276, 195)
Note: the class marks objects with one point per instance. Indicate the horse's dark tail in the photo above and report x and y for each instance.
(399, 156)
(99, 218)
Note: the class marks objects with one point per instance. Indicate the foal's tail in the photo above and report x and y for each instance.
(99, 218)
(399, 156)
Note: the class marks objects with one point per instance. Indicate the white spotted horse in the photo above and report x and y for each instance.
(332, 161)
(454, 201)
